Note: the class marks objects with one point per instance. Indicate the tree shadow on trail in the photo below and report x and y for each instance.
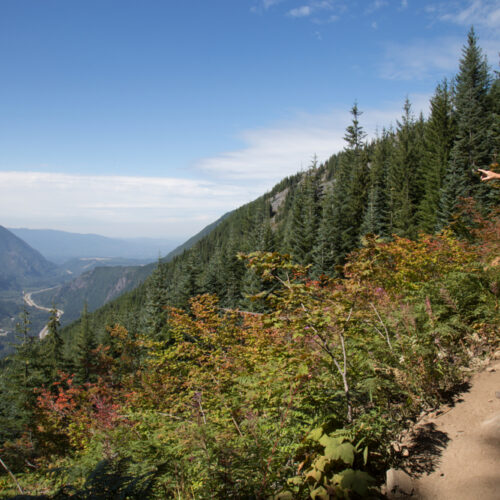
(426, 449)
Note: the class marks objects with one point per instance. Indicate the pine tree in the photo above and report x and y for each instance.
(357, 190)
(233, 272)
(438, 140)
(266, 241)
(494, 106)
(375, 218)
(210, 279)
(472, 148)
(325, 254)
(303, 225)
(185, 280)
(19, 378)
(156, 300)
(86, 343)
(403, 176)
(52, 346)
(343, 206)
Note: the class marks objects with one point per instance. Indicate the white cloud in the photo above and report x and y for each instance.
(480, 13)
(307, 9)
(115, 205)
(264, 5)
(420, 59)
(269, 3)
(273, 153)
(404, 4)
(376, 5)
(303, 11)
(161, 207)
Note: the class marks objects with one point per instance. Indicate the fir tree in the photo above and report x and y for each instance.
(375, 218)
(438, 141)
(403, 175)
(86, 343)
(156, 301)
(302, 230)
(472, 148)
(52, 346)
(357, 189)
(233, 272)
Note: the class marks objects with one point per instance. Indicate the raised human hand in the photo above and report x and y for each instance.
(488, 174)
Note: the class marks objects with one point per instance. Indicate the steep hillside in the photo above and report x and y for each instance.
(103, 284)
(77, 266)
(284, 352)
(20, 264)
(95, 287)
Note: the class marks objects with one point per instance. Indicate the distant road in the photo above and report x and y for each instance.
(29, 301)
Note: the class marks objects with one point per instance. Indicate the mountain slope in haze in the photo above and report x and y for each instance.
(20, 264)
(77, 266)
(194, 239)
(104, 283)
(61, 246)
(95, 287)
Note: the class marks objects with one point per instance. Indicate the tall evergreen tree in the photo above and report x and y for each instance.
(156, 301)
(86, 343)
(302, 229)
(403, 176)
(472, 148)
(344, 204)
(438, 140)
(233, 273)
(52, 346)
(210, 280)
(357, 189)
(375, 218)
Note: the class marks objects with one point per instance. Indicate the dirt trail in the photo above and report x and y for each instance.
(469, 465)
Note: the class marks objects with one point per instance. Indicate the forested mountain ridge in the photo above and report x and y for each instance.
(96, 288)
(408, 180)
(61, 246)
(281, 354)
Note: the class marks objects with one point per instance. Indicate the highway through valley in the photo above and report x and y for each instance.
(28, 298)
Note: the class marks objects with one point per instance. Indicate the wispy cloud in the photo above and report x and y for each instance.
(317, 11)
(115, 205)
(159, 206)
(376, 5)
(273, 153)
(481, 13)
(420, 59)
(264, 5)
(303, 11)
(153, 206)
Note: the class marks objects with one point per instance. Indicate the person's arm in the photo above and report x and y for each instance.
(488, 174)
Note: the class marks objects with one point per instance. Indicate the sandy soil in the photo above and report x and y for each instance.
(469, 465)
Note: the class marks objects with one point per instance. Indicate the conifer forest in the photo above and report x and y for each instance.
(280, 355)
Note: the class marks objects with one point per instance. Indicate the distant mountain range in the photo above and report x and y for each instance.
(105, 281)
(96, 287)
(91, 268)
(61, 246)
(20, 264)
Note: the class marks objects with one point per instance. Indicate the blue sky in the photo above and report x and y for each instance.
(153, 118)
